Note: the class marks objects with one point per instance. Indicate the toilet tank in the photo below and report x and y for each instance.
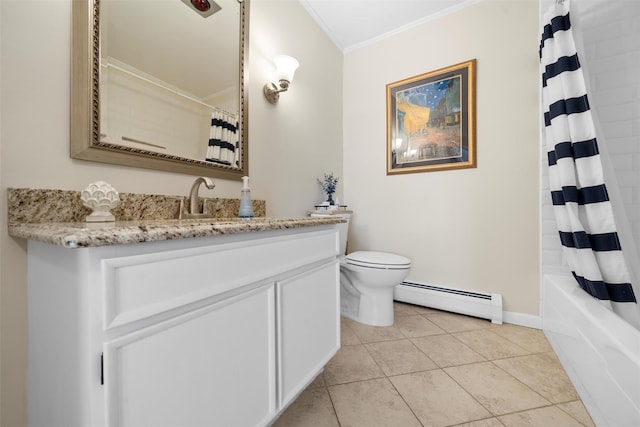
(343, 227)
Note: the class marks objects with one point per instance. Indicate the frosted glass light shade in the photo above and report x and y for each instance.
(286, 66)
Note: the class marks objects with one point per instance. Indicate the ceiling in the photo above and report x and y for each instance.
(203, 59)
(127, 23)
(350, 23)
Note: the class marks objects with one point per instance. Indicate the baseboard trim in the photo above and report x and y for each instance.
(522, 319)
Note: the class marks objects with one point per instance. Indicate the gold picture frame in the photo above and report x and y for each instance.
(431, 121)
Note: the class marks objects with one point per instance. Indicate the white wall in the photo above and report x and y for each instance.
(474, 229)
(300, 138)
(291, 143)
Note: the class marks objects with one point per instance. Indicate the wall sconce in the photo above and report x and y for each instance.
(286, 66)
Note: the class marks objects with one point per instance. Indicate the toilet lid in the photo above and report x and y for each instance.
(377, 259)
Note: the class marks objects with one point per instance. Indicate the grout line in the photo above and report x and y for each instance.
(571, 415)
(387, 376)
(405, 401)
(327, 387)
(333, 406)
(489, 360)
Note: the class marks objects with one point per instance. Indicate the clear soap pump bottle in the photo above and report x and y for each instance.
(246, 207)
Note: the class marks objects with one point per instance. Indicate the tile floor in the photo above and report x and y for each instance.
(433, 368)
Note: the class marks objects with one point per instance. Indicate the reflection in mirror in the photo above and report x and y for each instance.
(164, 85)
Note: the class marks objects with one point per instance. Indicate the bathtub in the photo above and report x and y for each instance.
(599, 351)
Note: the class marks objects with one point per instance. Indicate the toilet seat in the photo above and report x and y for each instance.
(379, 260)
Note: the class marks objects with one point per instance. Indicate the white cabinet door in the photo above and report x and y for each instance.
(214, 366)
(308, 326)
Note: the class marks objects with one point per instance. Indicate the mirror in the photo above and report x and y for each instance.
(158, 85)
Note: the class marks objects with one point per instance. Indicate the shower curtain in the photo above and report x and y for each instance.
(580, 199)
(223, 139)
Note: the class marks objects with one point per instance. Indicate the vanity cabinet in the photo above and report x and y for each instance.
(216, 331)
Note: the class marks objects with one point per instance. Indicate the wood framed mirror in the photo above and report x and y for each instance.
(158, 85)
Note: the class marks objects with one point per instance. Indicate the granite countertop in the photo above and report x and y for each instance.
(57, 217)
(83, 234)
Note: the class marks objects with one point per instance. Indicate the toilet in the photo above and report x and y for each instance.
(367, 278)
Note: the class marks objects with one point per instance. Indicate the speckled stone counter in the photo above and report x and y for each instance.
(57, 217)
(34, 205)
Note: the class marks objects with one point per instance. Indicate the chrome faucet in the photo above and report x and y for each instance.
(194, 208)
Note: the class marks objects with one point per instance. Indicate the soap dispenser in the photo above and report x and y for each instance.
(246, 207)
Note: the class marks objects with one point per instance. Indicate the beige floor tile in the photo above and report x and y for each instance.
(368, 334)
(577, 410)
(495, 389)
(404, 309)
(347, 336)
(351, 363)
(543, 373)
(426, 310)
(318, 382)
(399, 357)
(548, 416)
(519, 388)
(452, 322)
(447, 350)
(530, 339)
(373, 403)
(490, 345)
(436, 399)
(489, 422)
(312, 408)
(417, 326)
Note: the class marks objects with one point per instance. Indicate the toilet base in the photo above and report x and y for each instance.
(376, 309)
(373, 307)
(366, 294)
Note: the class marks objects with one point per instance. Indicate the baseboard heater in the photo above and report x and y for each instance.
(485, 306)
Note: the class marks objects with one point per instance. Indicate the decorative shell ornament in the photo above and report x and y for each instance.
(101, 197)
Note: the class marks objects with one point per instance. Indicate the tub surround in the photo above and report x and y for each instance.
(57, 217)
(597, 348)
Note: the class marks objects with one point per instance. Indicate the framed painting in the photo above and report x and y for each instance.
(431, 121)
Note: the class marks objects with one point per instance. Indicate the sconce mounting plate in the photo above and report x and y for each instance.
(271, 92)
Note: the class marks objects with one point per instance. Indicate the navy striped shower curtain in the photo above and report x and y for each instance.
(581, 203)
(223, 139)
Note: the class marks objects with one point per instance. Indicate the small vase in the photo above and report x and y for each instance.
(330, 199)
(101, 197)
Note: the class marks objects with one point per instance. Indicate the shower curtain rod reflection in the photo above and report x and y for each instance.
(174, 91)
